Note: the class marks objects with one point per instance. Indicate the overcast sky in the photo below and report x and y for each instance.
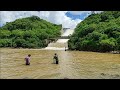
(68, 19)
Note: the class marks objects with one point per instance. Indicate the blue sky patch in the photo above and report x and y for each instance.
(81, 16)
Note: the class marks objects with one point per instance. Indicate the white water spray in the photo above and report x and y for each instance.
(66, 33)
(61, 43)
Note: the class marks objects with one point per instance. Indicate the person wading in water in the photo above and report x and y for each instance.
(65, 48)
(56, 59)
(27, 59)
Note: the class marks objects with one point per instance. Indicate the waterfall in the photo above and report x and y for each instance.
(60, 44)
(66, 33)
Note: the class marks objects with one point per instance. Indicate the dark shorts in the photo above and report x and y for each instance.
(57, 62)
(27, 62)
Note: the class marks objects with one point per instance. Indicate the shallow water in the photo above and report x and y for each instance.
(72, 65)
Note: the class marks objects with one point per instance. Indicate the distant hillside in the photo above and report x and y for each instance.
(30, 32)
(98, 32)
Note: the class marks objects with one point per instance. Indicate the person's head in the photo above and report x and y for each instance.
(55, 53)
(29, 55)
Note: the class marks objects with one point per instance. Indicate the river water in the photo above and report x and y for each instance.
(72, 64)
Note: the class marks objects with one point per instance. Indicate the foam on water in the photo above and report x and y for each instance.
(54, 48)
(62, 40)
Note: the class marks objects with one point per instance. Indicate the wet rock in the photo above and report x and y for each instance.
(115, 52)
(103, 74)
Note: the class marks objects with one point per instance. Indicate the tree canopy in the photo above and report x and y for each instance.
(98, 32)
(30, 32)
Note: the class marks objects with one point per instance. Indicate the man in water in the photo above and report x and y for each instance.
(65, 48)
(27, 59)
(56, 58)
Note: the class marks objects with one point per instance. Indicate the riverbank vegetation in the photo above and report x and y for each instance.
(30, 32)
(98, 32)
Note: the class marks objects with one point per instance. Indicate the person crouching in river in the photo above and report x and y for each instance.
(56, 59)
(27, 59)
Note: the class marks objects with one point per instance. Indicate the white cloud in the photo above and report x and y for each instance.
(82, 12)
(79, 12)
(57, 17)
(98, 11)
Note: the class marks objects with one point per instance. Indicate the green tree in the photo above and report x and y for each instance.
(4, 34)
(30, 32)
(107, 45)
(98, 32)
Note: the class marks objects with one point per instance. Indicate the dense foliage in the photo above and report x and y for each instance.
(98, 32)
(30, 32)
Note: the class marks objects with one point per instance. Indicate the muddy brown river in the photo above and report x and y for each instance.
(72, 64)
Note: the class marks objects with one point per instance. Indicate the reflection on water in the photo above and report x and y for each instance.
(73, 64)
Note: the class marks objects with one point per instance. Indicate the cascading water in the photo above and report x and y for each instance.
(60, 44)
